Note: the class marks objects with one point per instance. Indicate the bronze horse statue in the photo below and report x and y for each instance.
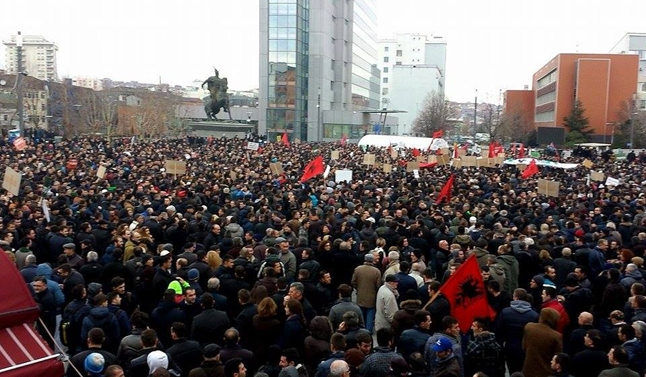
(219, 99)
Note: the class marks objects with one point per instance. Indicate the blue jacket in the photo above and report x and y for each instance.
(46, 271)
(412, 340)
(511, 324)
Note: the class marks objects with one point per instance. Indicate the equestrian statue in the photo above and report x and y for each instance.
(219, 99)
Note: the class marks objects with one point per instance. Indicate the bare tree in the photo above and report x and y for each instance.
(98, 111)
(632, 124)
(513, 126)
(434, 116)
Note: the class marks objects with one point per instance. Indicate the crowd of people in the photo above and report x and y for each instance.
(234, 268)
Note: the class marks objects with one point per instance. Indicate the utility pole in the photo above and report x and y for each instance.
(475, 119)
(21, 120)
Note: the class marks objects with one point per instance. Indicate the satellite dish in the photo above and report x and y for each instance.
(3, 82)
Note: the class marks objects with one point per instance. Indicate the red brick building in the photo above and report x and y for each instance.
(604, 83)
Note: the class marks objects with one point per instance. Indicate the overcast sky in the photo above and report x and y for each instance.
(492, 45)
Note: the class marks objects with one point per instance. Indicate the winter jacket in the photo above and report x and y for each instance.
(366, 279)
(541, 342)
(340, 308)
(484, 354)
(100, 316)
(510, 326)
(386, 307)
(412, 340)
(510, 264)
(564, 318)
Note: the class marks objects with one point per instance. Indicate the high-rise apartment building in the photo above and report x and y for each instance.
(412, 66)
(635, 43)
(318, 68)
(38, 57)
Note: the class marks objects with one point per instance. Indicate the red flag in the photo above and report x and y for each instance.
(445, 193)
(521, 151)
(438, 134)
(530, 170)
(314, 168)
(415, 152)
(285, 139)
(344, 139)
(466, 292)
(456, 154)
(492, 148)
(427, 165)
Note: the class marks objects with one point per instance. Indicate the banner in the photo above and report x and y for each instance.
(252, 146)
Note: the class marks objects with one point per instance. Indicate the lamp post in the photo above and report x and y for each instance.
(319, 131)
(475, 118)
(19, 104)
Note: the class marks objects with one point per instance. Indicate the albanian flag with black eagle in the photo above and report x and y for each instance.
(466, 292)
(314, 168)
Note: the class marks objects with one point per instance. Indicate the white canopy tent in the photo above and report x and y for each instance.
(403, 142)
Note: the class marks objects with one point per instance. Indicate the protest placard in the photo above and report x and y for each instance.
(368, 159)
(11, 181)
(387, 168)
(597, 176)
(100, 172)
(343, 175)
(548, 187)
(412, 165)
(276, 168)
(175, 167)
(335, 155)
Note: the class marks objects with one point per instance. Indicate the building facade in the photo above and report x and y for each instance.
(38, 57)
(604, 84)
(318, 68)
(412, 67)
(635, 43)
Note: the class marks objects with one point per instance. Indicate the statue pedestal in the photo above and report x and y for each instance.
(220, 128)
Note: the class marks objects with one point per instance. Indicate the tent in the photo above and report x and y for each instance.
(422, 143)
(22, 351)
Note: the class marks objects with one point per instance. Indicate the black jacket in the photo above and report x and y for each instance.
(209, 326)
(186, 353)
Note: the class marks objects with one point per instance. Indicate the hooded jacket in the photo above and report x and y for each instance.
(45, 270)
(541, 342)
(511, 324)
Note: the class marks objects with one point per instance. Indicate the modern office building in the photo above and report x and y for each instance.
(38, 57)
(318, 68)
(412, 67)
(635, 43)
(603, 83)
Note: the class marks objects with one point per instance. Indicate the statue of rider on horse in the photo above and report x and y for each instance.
(219, 99)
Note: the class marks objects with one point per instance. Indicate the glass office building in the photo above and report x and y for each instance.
(288, 23)
(365, 74)
(318, 68)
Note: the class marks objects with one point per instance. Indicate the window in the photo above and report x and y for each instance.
(642, 104)
(398, 63)
(643, 87)
(384, 91)
(385, 48)
(385, 80)
(385, 59)
(385, 69)
(399, 52)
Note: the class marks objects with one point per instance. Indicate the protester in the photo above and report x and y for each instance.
(231, 222)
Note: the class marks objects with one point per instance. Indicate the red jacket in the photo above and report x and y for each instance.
(564, 319)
